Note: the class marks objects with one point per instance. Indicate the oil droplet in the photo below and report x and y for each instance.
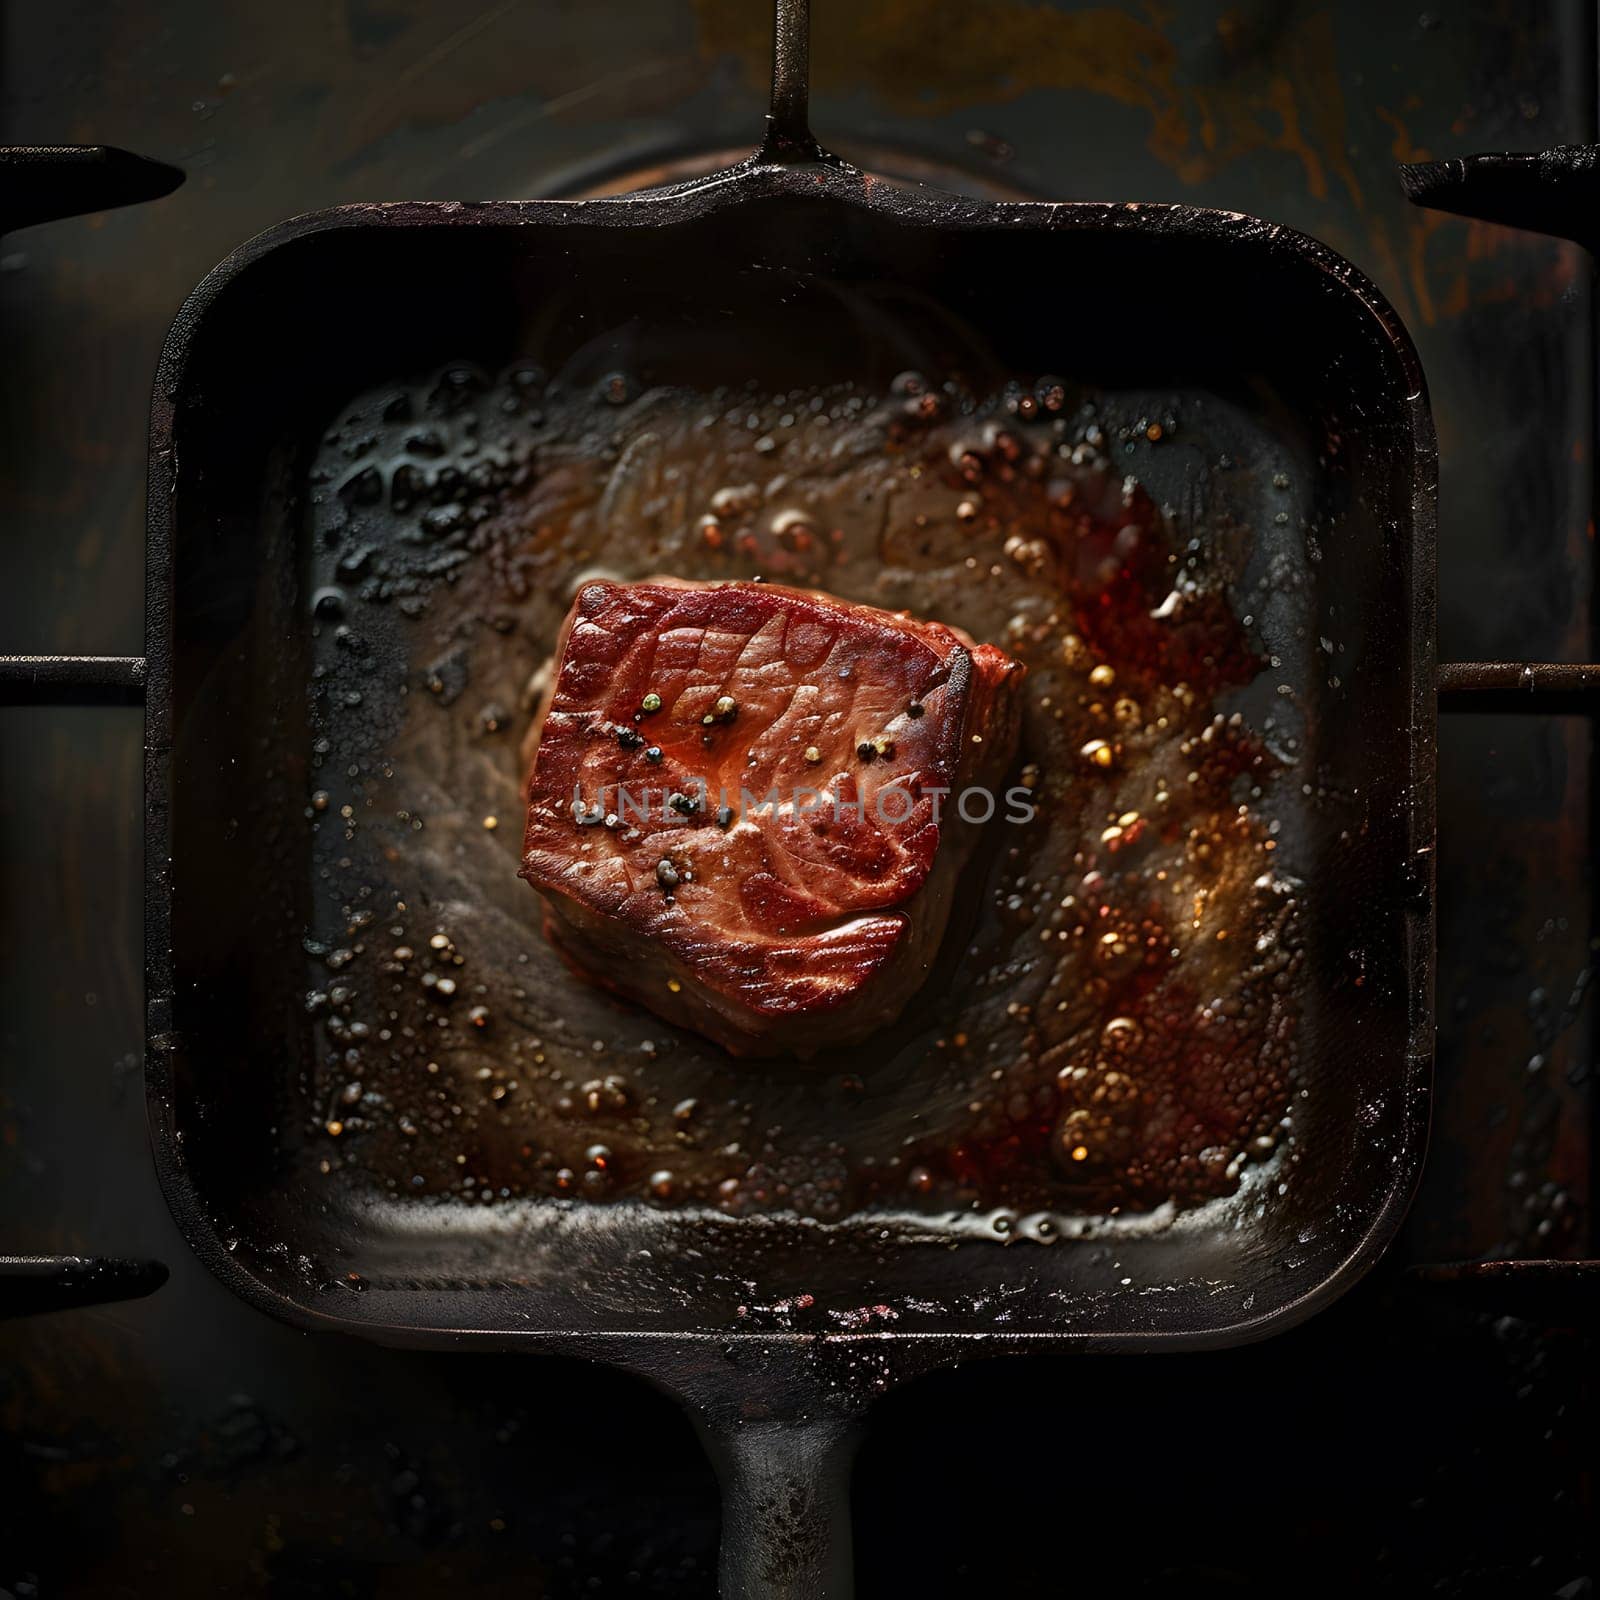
(1121, 1033)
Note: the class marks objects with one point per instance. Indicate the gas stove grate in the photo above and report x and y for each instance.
(44, 183)
(1555, 192)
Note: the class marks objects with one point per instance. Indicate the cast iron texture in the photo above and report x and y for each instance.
(1296, 359)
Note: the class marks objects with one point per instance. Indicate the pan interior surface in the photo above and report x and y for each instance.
(1297, 441)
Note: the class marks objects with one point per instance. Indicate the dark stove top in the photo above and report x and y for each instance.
(1419, 1437)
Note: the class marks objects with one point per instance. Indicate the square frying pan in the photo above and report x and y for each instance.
(1281, 357)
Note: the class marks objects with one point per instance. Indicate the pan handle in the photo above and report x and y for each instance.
(785, 1506)
(789, 140)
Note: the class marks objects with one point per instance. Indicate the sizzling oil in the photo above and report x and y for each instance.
(1113, 1022)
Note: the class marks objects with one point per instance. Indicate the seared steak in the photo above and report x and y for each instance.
(749, 804)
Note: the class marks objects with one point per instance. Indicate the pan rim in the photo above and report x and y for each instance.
(916, 207)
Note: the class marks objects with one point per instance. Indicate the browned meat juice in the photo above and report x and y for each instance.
(1111, 1022)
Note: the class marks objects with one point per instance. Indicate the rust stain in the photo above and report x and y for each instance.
(1281, 97)
(1208, 122)
(1313, 58)
(1272, 85)
(1417, 228)
(1280, 90)
(1277, 90)
(1457, 298)
(929, 58)
(1417, 264)
(1404, 147)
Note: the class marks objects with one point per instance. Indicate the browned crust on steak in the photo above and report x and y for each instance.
(790, 929)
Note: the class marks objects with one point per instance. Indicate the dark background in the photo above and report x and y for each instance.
(1400, 1443)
